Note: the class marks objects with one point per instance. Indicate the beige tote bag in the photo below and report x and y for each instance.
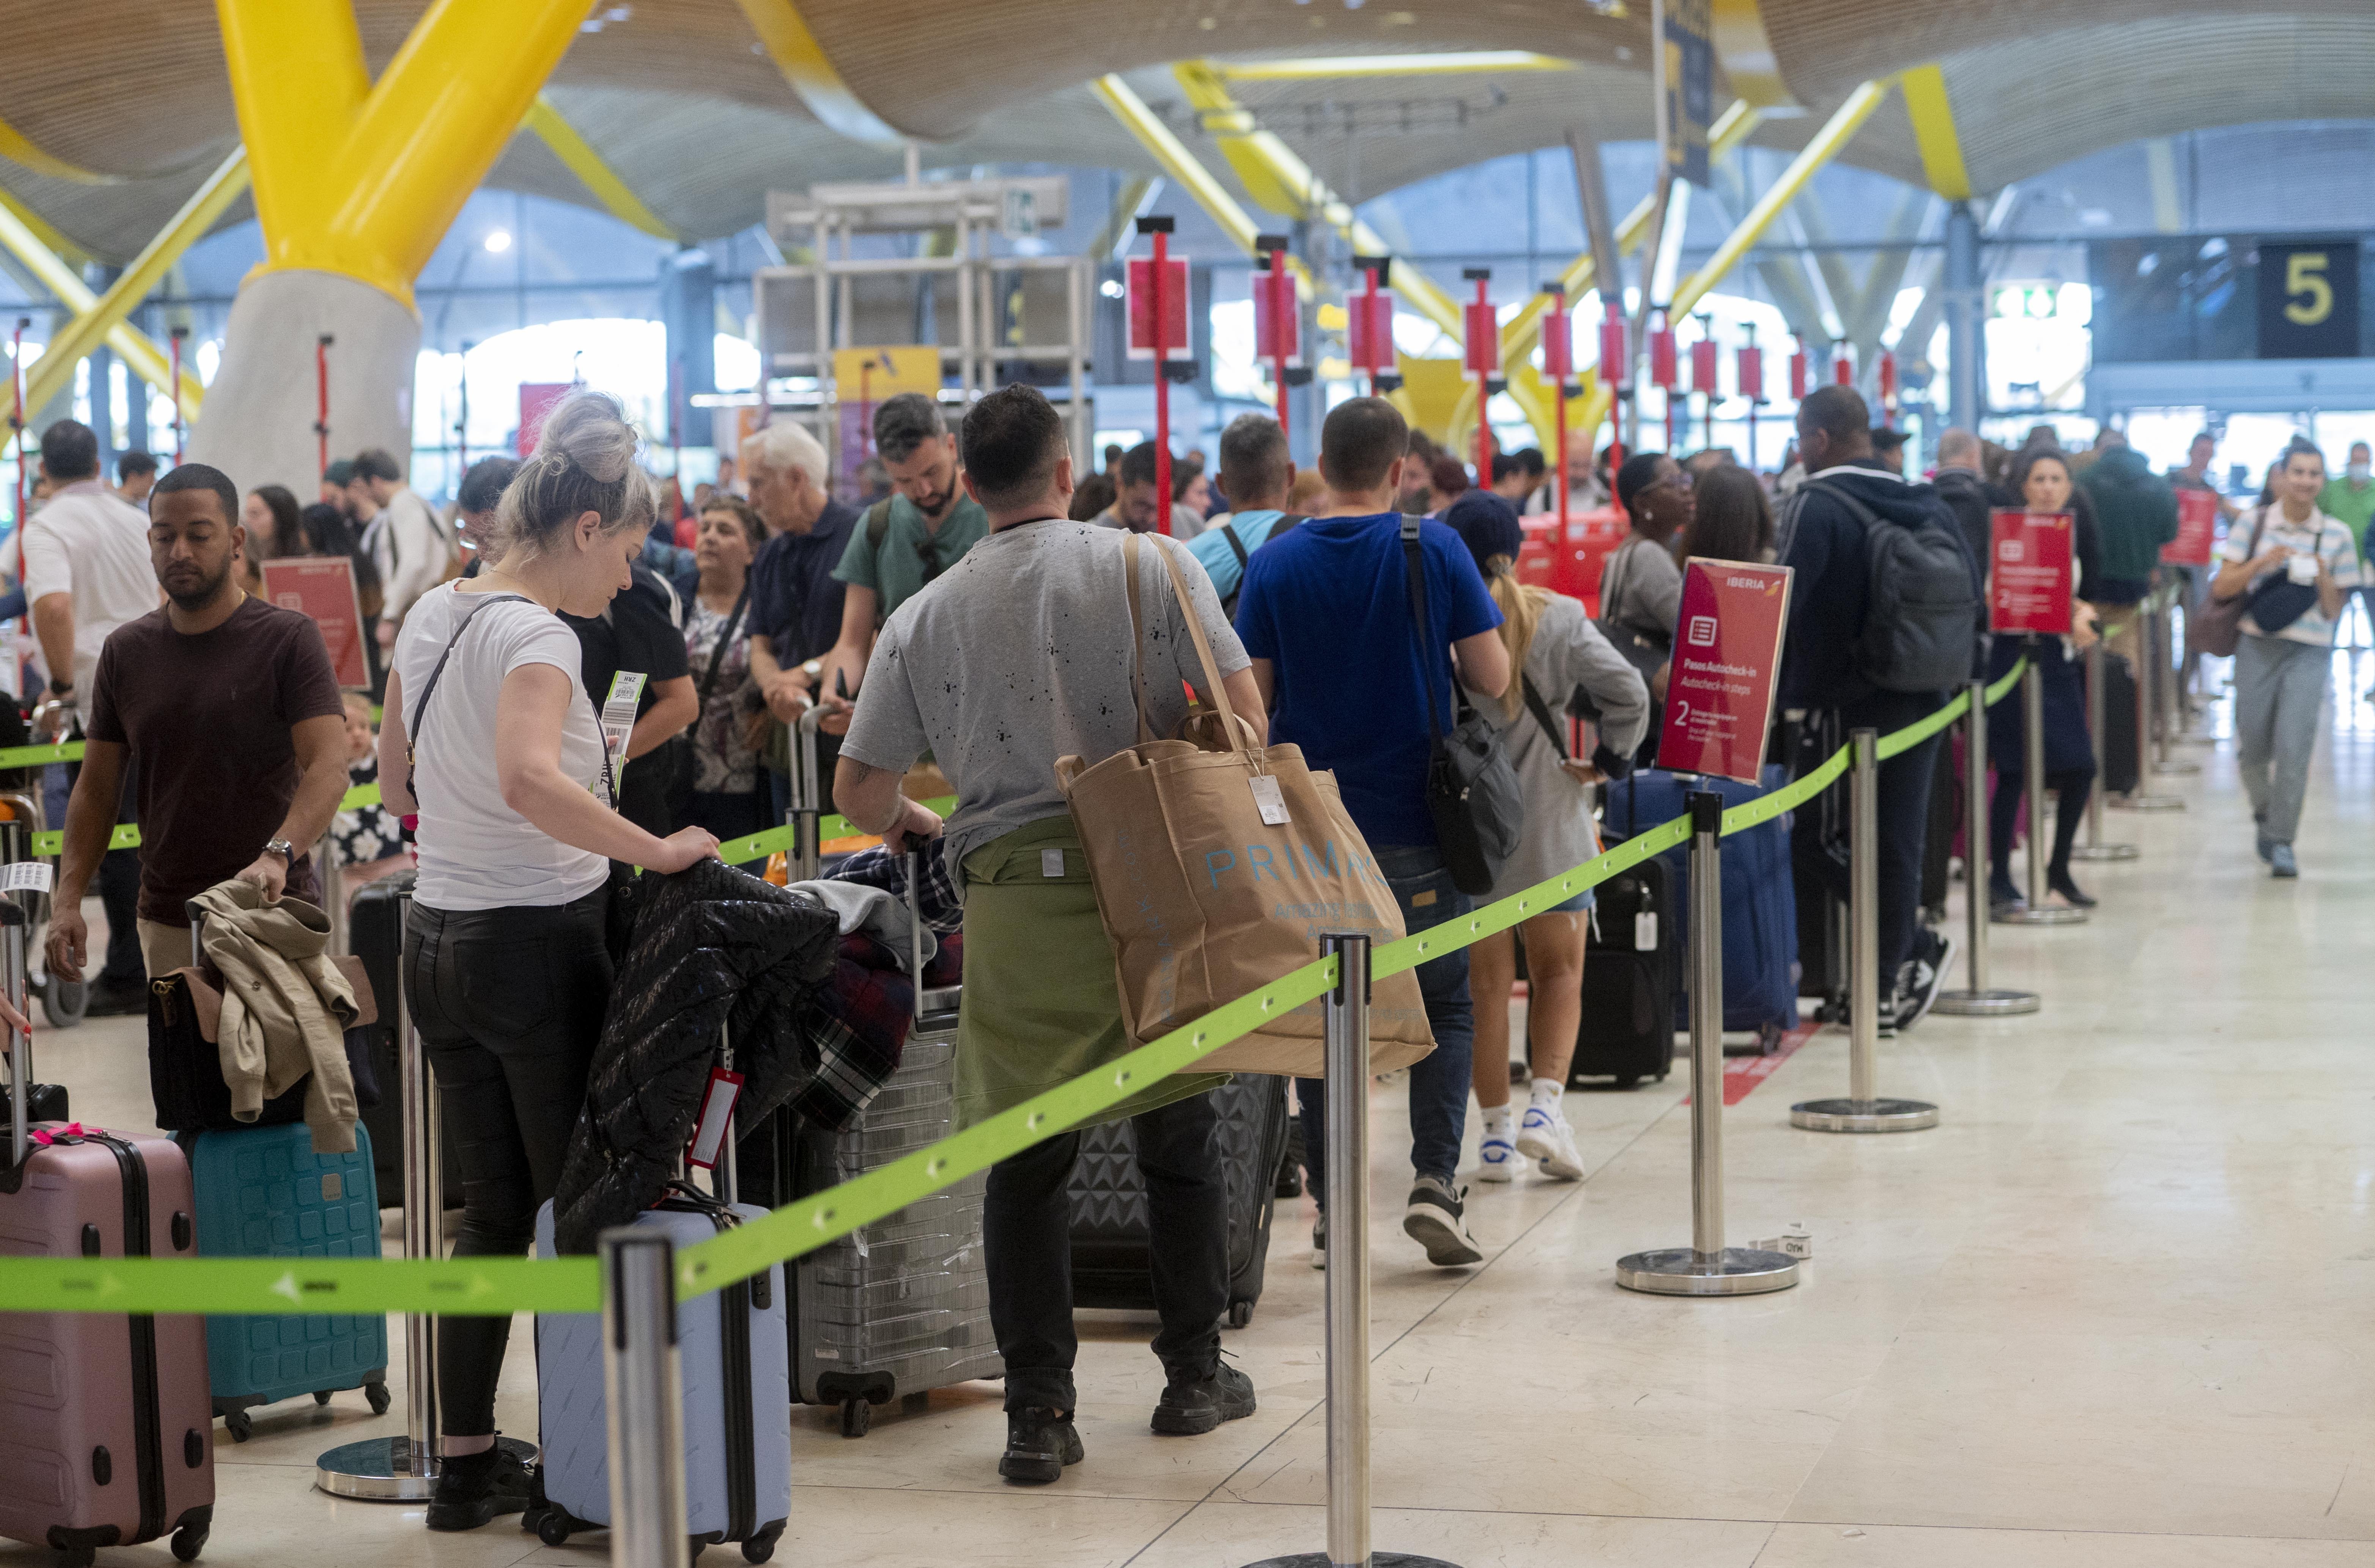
(1217, 864)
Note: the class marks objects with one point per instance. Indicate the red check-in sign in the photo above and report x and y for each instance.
(324, 589)
(2028, 573)
(1727, 658)
(2197, 524)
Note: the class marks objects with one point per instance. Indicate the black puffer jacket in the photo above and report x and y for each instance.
(711, 946)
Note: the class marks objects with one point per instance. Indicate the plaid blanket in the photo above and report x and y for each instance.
(857, 1023)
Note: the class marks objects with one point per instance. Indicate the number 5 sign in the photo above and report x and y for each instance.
(2309, 299)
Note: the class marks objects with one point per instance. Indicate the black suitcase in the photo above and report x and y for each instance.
(1818, 868)
(1938, 839)
(1109, 1236)
(1632, 950)
(375, 935)
(2119, 771)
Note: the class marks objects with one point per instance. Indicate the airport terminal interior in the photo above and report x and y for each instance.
(1878, 497)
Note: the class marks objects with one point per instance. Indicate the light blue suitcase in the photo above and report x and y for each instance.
(262, 1191)
(734, 1354)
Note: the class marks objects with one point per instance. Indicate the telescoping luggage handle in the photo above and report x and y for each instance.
(808, 798)
(935, 1005)
(20, 1040)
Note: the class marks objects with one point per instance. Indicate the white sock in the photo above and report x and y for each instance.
(1548, 1091)
(1496, 1122)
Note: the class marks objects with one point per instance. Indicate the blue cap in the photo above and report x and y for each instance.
(1488, 526)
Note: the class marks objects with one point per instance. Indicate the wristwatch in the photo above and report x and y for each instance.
(283, 849)
(813, 669)
(60, 687)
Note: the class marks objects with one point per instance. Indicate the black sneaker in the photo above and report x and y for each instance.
(117, 998)
(1926, 977)
(476, 1487)
(1039, 1444)
(1436, 1219)
(1195, 1402)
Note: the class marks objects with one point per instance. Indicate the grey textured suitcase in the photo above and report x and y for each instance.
(1109, 1217)
(738, 1428)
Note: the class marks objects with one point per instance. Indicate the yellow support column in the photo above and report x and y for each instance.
(356, 183)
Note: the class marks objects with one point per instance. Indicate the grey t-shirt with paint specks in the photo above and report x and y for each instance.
(1020, 653)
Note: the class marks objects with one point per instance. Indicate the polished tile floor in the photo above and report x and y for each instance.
(2114, 1311)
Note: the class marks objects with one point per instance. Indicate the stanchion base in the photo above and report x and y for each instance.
(1863, 1115)
(2189, 738)
(2038, 915)
(2176, 769)
(2104, 851)
(379, 1469)
(1985, 1004)
(1376, 1560)
(2146, 803)
(1684, 1271)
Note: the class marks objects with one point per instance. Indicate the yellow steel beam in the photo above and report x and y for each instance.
(362, 179)
(48, 238)
(1188, 169)
(18, 148)
(1746, 51)
(54, 372)
(591, 172)
(1519, 334)
(1934, 131)
(1337, 66)
(141, 357)
(1836, 134)
(787, 40)
(1282, 182)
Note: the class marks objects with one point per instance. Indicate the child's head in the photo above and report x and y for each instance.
(359, 735)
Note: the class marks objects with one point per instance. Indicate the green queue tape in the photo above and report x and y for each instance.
(40, 756)
(495, 1287)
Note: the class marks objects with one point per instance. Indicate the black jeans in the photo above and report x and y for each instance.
(509, 1003)
(1026, 1231)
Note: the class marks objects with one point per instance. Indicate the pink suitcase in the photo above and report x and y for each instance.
(106, 1426)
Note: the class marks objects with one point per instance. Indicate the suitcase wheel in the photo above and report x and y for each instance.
(692, 1544)
(856, 1417)
(1623, 1081)
(761, 1547)
(1240, 1313)
(377, 1394)
(78, 1556)
(188, 1541)
(64, 1001)
(240, 1424)
(553, 1527)
(321, 1396)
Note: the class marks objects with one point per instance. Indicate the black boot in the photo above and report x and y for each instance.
(473, 1488)
(1198, 1399)
(1039, 1444)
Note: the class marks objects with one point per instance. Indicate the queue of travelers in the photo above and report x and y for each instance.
(982, 615)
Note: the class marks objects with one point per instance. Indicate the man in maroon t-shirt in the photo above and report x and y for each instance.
(229, 708)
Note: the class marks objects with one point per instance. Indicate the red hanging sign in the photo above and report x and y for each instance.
(1727, 661)
(1843, 369)
(1615, 367)
(2028, 573)
(1798, 374)
(1369, 331)
(1704, 371)
(2197, 526)
(1277, 321)
(1661, 358)
(1749, 370)
(1142, 309)
(1483, 325)
(1558, 342)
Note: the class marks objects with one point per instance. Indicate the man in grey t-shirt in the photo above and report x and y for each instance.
(1020, 652)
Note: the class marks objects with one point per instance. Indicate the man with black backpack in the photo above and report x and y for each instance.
(1256, 475)
(1882, 617)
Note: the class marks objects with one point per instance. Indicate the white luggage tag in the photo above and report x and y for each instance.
(618, 716)
(25, 877)
(1644, 931)
(716, 1118)
(1268, 799)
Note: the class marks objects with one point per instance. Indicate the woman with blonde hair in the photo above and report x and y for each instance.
(1553, 642)
(490, 737)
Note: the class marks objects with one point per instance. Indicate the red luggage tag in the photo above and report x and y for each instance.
(709, 1131)
(72, 1132)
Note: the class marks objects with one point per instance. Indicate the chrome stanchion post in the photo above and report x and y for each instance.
(2035, 912)
(1707, 1267)
(2095, 848)
(1979, 999)
(1863, 1111)
(333, 893)
(642, 1395)
(2141, 798)
(2155, 629)
(404, 1469)
(1345, 1018)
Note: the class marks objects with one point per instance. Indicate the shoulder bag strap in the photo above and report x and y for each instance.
(1229, 721)
(1137, 635)
(725, 638)
(420, 703)
(1236, 544)
(1414, 575)
(1542, 711)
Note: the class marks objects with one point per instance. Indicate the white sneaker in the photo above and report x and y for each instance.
(1545, 1135)
(1500, 1161)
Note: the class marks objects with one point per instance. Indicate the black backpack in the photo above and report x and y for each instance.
(1238, 548)
(1921, 603)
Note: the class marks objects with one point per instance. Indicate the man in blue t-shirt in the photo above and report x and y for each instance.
(1325, 613)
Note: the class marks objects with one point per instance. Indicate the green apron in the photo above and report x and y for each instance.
(1040, 1004)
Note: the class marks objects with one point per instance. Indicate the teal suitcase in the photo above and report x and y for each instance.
(262, 1191)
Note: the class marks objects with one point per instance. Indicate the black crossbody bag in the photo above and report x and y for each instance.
(1471, 792)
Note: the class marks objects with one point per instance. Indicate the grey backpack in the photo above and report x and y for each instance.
(1921, 606)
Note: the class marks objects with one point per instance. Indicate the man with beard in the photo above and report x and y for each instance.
(229, 706)
(903, 543)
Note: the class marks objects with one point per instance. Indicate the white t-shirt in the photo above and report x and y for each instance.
(410, 548)
(92, 544)
(476, 851)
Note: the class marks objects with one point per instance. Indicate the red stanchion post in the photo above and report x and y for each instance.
(322, 389)
(1277, 335)
(1158, 279)
(1748, 372)
(1705, 372)
(1616, 374)
(174, 384)
(1370, 327)
(1664, 371)
(1484, 332)
(1558, 363)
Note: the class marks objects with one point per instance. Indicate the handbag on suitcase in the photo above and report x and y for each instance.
(262, 1191)
(1110, 1240)
(108, 1429)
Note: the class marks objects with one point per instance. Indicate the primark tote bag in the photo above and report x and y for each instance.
(1206, 895)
